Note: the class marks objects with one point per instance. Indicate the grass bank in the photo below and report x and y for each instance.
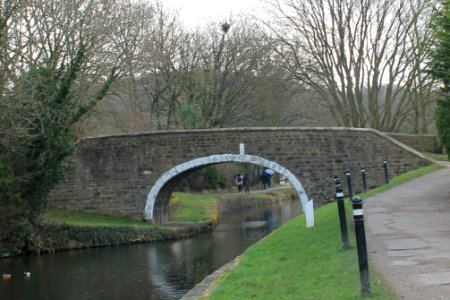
(400, 180)
(89, 219)
(87, 231)
(294, 262)
(194, 207)
(63, 230)
(200, 207)
(438, 157)
(190, 207)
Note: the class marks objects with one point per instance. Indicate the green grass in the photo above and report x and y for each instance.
(195, 207)
(294, 262)
(87, 219)
(299, 263)
(438, 157)
(401, 179)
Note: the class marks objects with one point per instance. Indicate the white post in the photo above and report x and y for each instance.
(309, 214)
(241, 149)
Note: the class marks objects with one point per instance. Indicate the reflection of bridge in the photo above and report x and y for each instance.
(109, 175)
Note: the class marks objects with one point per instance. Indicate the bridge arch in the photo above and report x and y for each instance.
(152, 197)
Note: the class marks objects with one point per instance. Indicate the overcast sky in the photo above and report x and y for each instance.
(200, 12)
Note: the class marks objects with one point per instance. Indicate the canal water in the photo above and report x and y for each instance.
(162, 270)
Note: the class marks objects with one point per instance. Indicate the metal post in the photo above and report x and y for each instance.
(349, 183)
(341, 211)
(358, 217)
(386, 176)
(363, 174)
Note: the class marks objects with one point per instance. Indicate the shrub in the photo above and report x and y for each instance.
(214, 178)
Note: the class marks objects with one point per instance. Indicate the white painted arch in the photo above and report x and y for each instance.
(307, 205)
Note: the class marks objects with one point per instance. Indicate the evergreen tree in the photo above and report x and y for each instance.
(440, 67)
(50, 76)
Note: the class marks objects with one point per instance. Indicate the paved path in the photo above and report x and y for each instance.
(408, 236)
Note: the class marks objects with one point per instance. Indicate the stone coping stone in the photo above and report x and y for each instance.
(210, 282)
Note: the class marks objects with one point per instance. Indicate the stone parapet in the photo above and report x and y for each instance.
(422, 143)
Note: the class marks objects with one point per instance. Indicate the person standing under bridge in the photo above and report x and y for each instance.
(239, 181)
(246, 182)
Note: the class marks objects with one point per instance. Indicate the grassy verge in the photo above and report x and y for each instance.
(194, 207)
(299, 263)
(438, 157)
(87, 219)
(197, 207)
(63, 230)
(401, 179)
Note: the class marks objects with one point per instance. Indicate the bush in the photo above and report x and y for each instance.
(443, 122)
(214, 178)
(15, 226)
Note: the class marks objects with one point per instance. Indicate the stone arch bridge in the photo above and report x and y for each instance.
(133, 174)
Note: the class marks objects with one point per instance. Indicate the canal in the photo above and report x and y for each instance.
(162, 270)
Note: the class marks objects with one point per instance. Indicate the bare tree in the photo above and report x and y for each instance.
(273, 85)
(232, 62)
(51, 35)
(359, 56)
(147, 95)
(159, 79)
(424, 90)
(203, 78)
(125, 49)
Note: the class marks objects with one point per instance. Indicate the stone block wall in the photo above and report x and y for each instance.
(108, 175)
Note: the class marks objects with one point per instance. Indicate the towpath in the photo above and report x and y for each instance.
(408, 236)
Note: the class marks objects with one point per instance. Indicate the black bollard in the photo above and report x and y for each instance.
(386, 176)
(358, 217)
(341, 211)
(363, 174)
(349, 183)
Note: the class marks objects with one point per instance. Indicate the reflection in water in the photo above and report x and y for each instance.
(163, 270)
